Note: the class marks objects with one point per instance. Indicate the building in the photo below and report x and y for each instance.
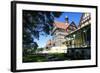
(81, 37)
(71, 27)
(79, 40)
(60, 30)
(58, 33)
(50, 43)
(85, 26)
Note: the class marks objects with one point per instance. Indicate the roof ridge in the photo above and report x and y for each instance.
(59, 22)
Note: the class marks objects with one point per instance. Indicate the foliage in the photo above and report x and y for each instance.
(36, 23)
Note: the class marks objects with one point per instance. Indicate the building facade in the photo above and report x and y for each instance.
(59, 32)
(81, 37)
(79, 40)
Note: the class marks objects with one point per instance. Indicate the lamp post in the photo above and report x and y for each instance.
(85, 37)
(74, 40)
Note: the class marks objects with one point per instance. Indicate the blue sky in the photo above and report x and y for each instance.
(73, 16)
(43, 40)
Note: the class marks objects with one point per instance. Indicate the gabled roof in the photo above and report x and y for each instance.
(88, 17)
(73, 24)
(60, 25)
(81, 20)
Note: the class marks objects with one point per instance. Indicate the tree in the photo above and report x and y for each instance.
(35, 46)
(36, 23)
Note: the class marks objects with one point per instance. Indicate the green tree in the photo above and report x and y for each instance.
(36, 23)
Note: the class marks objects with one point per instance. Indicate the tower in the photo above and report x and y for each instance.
(66, 20)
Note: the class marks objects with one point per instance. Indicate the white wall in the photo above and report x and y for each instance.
(5, 37)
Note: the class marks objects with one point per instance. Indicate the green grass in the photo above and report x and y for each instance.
(41, 58)
(33, 58)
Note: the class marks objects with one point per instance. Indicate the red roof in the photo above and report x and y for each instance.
(49, 42)
(61, 25)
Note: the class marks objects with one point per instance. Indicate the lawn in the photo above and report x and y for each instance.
(44, 57)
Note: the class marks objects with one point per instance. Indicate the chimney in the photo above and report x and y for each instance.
(66, 19)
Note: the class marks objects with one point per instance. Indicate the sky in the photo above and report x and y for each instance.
(43, 40)
(73, 16)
